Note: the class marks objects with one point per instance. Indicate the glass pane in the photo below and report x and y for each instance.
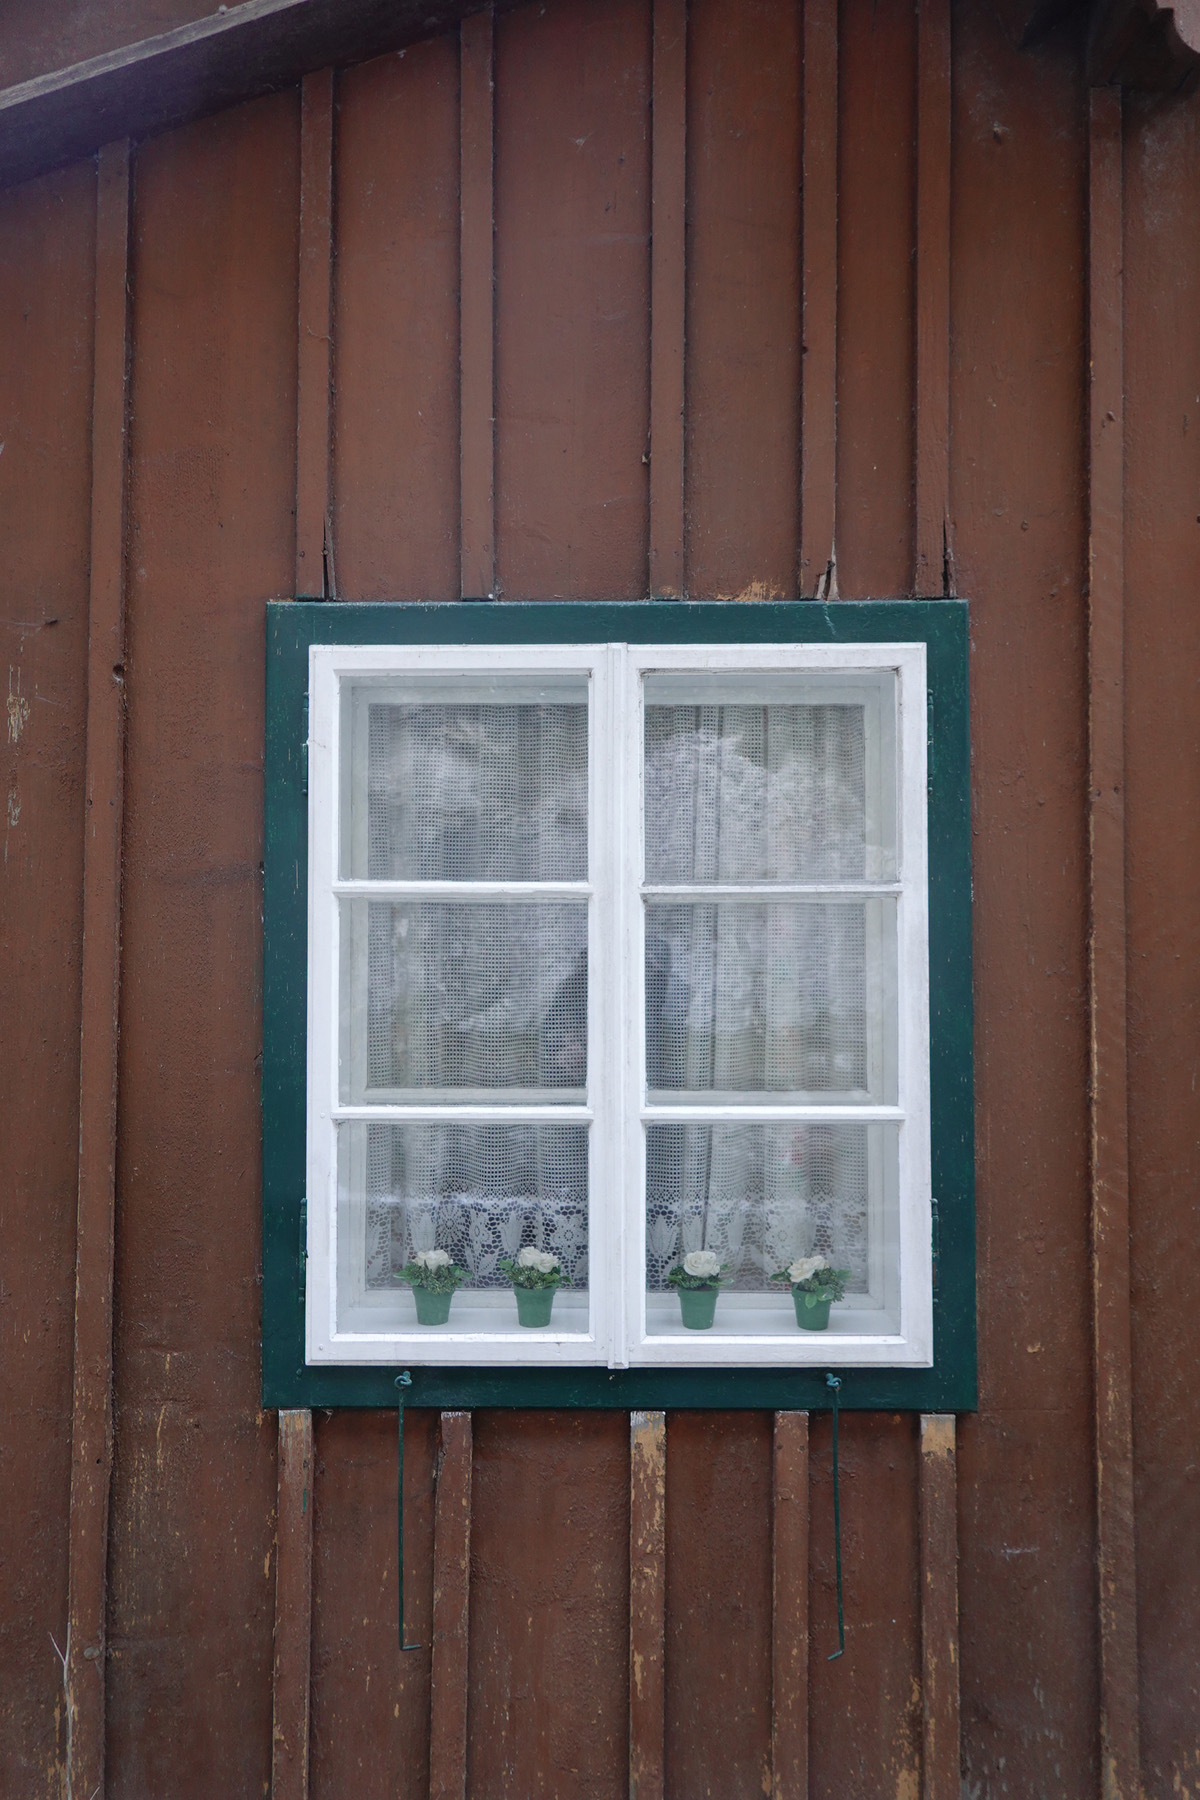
(778, 790)
(760, 1196)
(469, 791)
(479, 1192)
(443, 999)
(774, 998)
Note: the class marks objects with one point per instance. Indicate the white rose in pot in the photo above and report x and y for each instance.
(432, 1259)
(804, 1267)
(541, 1260)
(705, 1265)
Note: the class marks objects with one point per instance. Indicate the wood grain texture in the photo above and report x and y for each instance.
(941, 1776)
(91, 1432)
(549, 1607)
(818, 318)
(451, 1612)
(290, 1688)
(668, 283)
(865, 1707)
(314, 348)
(647, 1601)
(572, 300)
(396, 329)
(743, 362)
(47, 332)
(477, 307)
(933, 567)
(370, 1702)
(1018, 496)
(211, 493)
(1109, 1083)
(876, 224)
(789, 1608)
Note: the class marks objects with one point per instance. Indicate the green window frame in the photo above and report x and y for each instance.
(941, 626)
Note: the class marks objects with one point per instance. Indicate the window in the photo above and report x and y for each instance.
(617, 950)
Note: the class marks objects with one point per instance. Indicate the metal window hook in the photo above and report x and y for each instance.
(402, 1381)
(833, 1382)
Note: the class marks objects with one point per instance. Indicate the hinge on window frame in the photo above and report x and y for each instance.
(936, 1239)
(304, 749)
(302, 1247)
(930, 745)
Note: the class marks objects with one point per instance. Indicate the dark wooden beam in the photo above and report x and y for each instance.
(92, 1423)
(248, 49)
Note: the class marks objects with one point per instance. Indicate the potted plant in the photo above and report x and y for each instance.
(815, 1286)
(535, 1274)
(697, 1281)
(433, 1278)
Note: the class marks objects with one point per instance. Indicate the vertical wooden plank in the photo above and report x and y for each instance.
(668, 295)
(932, 573)
(572, 300)
(396, 449)
(293, 1608)
(818, 402)
(451, 1612)
(789, 1609)
(477, 311)
(940, 1741)
(313, 550)
(742, 378)
(91, 1435)
(647, 1602)
(1119, 1750)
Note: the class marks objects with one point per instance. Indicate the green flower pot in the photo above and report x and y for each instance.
(810, 1318)
(534, 1305)
(698, 1306)
(432, 1309)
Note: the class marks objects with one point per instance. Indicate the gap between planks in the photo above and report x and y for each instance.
(85, 1652)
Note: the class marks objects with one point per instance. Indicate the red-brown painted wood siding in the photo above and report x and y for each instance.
(803, 412)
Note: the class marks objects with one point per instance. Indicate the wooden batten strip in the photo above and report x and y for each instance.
(1117, 1589)
(293, 1608)
(477, 308)
(941, 1777)
(91, 1424)
(819, 281)
(647, 1602)
(451, 1612)
(313, 523)
(932, 574)
(668, 281)
(789, 1608)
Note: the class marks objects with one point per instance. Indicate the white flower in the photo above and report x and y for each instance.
(702, 1263)
(541, 1260)
(432, 1259)
(804, 1266)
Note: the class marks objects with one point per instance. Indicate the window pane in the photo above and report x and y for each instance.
(480, 1192)
(770, 791)
(469, 791)
(762, 1195)
(769, 999)
(456, 999)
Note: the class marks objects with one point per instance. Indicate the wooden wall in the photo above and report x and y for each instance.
(880, 263)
